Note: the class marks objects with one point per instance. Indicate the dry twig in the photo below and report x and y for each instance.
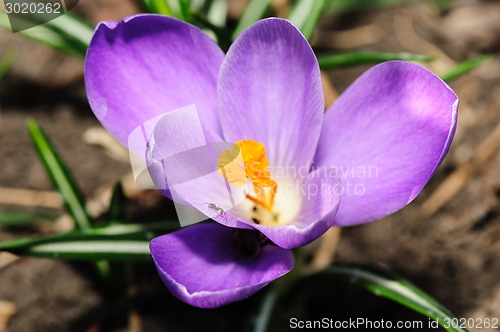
(31, 198)
(7, 310)
(456, 181)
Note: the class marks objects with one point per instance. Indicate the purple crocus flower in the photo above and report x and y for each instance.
(379, 143)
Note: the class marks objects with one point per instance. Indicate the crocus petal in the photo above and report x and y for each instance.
(172, 151)
(321, 192)
(148, 65)
(270, 91)
(183, 166)
(386, 135)
(201, 266)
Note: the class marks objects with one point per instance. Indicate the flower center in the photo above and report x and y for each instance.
(247, 163)
(249, 242)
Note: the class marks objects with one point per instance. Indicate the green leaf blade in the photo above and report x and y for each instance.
(379, 283)
(74, 30)
(67, 33)
(158, 7)
(221, 34)
(115, 231)
(64, 183)
(185, 11)
(464, 67)
(23, 218)
(60, 176)
(92, 250)
(217, 12)
(392, 288)
(306, 14)
(6, 62)
(359, 58)
(118, 201)
(254, 12)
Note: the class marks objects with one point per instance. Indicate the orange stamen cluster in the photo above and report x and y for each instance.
(247, 160)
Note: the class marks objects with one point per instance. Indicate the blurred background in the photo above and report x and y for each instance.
(447, 241)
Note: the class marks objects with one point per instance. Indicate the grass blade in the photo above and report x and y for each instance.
(390, 287)
(306, 14)
(464, 67)
(185, 11)
(379, 283)
(175, 8)
(74, 30)
(44, 35)
(354, 59)
(6, 62)
(261, 320)
(116, 231)
(217, 12)
(60, 176)
(118, 201)
(23, 218)
(363, 5)
(221, 34)
(92, 250)
(67, 33)
(254, 12)
(157, 7)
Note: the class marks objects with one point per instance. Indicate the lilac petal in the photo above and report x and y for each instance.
(320, 200)
(183, 166)
(148, 65)
(386, 135)
(201, 266)
(269, 90)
